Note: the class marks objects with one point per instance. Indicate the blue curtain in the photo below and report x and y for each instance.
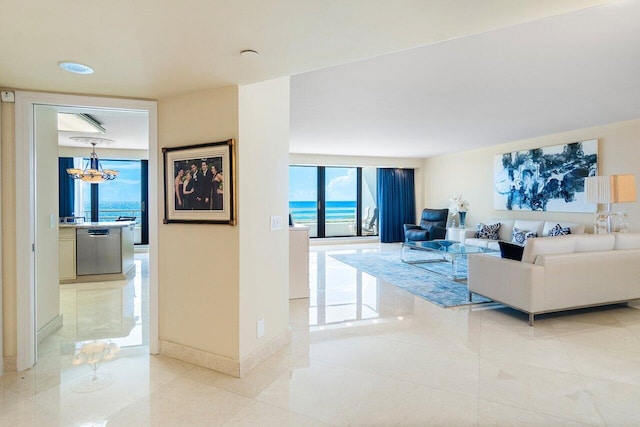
(66, 192)
(397, 203)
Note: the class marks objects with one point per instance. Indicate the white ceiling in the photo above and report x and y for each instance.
(501, 75)
(565, 72)
(128, 129)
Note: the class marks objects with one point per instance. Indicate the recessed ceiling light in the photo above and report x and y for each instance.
(74, 67)
(249, 53)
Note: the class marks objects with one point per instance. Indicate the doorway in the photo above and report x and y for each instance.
(27, 209)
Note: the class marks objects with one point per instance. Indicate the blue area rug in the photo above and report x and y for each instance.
(434, 288)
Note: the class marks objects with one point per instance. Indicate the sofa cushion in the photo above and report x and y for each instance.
(558, 230)
(548, 246)
(627, 240)
(529, 225)
(511, 250)
(519, 236)
(574, 227)
(494, 245)
(594, 242)
(488, 231)
(506, 228)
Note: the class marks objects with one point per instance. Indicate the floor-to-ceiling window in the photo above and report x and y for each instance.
(334, 201)
(303, 197)
(125, 196)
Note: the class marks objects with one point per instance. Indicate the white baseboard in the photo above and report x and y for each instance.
(200, 358)
(264, 352)
(221, 363)
(49, 328)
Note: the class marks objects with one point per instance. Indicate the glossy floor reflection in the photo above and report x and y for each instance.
(363, 353)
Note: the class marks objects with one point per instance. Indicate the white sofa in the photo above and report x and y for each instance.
(561, 273)
(506, 229)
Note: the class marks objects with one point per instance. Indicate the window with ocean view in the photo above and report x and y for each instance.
(303, 197)
(120, 197)
(334, 201)
(341, 202)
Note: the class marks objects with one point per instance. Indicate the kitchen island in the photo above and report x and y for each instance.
(96, 251)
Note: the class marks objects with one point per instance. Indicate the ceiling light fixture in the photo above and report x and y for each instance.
(249, 53)
(75, 67)
(79, 122)
(93, 171)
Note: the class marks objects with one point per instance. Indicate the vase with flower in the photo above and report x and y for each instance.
(459, 206)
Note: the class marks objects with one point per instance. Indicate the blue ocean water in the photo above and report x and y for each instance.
(108, 211)
(336, 211)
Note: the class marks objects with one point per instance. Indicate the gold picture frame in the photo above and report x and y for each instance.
(199, 183)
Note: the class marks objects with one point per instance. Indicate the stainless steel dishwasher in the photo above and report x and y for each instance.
(98, 251)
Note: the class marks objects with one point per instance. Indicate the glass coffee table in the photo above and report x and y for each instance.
(424, 254)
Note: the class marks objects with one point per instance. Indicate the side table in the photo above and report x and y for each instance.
(457, 234)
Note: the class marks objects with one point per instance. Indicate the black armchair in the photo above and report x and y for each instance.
(433, 225)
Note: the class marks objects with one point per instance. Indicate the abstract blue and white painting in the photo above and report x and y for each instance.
(545, 179)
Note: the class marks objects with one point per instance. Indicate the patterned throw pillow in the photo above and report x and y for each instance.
(520, 236)
(488, 231)
(557, 230)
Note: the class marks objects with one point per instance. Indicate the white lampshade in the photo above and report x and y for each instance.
(610, 189)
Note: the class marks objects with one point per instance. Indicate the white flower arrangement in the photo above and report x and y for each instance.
(458, 204)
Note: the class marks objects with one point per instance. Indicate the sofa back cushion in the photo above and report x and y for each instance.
(434, 217)
(506, 228)
(594, 242)
(529, 225)
(548, 246)
(627, 240)
(573, 226)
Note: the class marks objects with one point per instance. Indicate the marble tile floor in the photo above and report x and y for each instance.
(363, 353)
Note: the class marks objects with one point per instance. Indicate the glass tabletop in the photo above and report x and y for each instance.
(449, 246)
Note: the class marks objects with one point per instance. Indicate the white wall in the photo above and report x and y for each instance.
(46, 179)
(263, 188)
(198, 263)
(104, 153)
(1, 268)
(216, 281)
(471, 173)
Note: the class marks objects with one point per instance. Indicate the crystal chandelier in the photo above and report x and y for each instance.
(93, 171)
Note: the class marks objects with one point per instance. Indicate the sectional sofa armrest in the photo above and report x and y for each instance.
(517, 284)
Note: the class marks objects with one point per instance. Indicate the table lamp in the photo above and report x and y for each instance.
(607, 190)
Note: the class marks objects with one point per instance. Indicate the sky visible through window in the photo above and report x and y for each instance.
(126, 187)
(341, 183)
(121, 196)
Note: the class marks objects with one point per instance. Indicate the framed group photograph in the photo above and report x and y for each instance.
(199, 183)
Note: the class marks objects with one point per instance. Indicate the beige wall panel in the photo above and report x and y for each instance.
(198, 263)
(471, 173)
(263, 151)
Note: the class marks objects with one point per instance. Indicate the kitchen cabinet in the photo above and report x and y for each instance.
(91, 252)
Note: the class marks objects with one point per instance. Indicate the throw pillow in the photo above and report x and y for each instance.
(557, 230)
(488, 231)
(520, 236)
(511, 251)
